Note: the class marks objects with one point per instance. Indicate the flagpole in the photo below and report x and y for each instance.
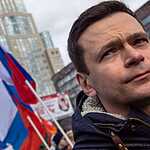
(34, 111)
(38, 133)
(50, 114)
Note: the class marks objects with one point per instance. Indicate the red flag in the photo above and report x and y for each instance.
(49, 126)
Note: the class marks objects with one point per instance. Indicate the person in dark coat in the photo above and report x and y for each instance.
(110, 49)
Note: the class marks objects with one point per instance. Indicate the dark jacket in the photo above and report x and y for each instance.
(101, 131)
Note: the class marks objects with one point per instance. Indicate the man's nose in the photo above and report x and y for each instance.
(133, 56)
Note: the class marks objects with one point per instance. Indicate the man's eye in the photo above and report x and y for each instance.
(109, 53)
(140, 42)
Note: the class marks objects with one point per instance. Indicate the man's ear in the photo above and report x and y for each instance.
(85, 84)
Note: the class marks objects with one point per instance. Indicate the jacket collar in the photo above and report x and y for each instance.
(89, 107)
(92, 105)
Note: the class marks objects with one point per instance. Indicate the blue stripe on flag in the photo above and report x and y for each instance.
(14, 94)
(17, 133)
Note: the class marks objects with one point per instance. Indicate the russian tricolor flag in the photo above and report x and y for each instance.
(15, 131)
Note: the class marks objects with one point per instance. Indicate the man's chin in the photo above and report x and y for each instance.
(140, 94)
(140, 100)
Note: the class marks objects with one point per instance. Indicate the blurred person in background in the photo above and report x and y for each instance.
(60, 141)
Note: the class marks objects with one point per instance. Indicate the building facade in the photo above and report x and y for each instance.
(53, 53)
(65, 81)
(143, 13)
(19, 34)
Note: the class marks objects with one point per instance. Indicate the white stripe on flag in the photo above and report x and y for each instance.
(7, 107)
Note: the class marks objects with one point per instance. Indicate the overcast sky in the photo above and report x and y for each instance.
(57, 17)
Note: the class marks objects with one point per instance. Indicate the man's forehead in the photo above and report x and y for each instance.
(114, 26)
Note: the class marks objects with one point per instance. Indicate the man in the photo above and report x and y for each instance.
(111, 52)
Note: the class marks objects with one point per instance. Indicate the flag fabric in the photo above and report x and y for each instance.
(49, 126)
(19, 76)
(12, 129)
(15, 97)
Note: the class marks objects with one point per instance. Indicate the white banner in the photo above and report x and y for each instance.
(58, 104)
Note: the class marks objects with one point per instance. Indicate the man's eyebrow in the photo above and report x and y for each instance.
(131, 38)
(117, 41)
(106, 46)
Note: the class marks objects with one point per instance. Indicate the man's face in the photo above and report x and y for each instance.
(117, 55)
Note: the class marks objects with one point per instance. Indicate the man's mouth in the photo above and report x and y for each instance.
(139, 77)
